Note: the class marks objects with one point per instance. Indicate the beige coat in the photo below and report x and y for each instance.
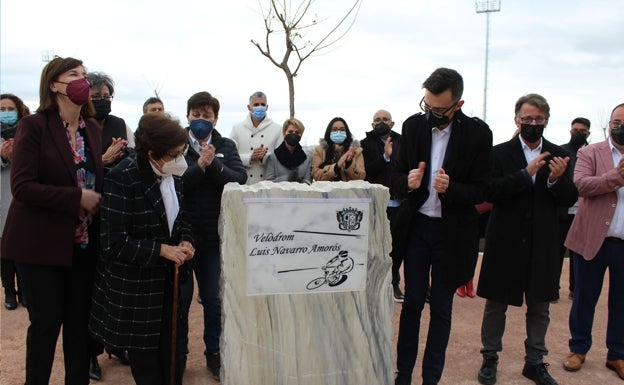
(355, 170)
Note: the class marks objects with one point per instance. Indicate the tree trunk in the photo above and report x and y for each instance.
(291, 94)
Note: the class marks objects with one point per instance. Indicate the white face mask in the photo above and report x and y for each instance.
(175, 167)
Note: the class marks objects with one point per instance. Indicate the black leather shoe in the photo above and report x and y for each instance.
(95, 373)
(403, 379)
(397, 294)
(122, 355)
(10, 301)
(538, 374)
(487, 373)
(213, 363)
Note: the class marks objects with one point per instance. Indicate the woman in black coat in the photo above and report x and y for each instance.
(144, 237)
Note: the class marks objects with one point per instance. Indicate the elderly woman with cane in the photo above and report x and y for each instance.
(146, 241)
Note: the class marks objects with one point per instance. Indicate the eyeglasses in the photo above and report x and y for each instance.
(531, 119)
(334, 129)
(615, 123)
(178, 154)
(101, 97)
(382, 119)
(437, 112)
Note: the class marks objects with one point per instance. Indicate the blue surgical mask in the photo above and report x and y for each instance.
(201, 128)
(338, 136)
(8, 117)
(259, 112)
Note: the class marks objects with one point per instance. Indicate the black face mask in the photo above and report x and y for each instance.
(382, 129)
(617, 134)
(434, 120)
(579, 139)
(531, 132)
(292, 139)
(102, 108)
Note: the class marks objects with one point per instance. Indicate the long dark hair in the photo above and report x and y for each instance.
(22, 110)
(331, 151)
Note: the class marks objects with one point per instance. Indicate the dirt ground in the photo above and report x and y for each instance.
(462, 361)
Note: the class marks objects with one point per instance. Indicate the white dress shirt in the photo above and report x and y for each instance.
(439, 142)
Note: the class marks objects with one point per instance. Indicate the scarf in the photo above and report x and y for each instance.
(288, 159)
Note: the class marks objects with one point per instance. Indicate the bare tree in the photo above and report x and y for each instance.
(295, 25)
(603, 121)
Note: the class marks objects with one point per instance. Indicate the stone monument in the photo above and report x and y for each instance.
(306, 284)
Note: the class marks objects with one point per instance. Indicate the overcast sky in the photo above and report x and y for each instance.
(570, 51)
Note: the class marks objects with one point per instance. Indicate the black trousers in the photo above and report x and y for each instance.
(58, 296)
(8, 273)
(397, 258)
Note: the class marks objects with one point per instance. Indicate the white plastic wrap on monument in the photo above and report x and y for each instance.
(306, 284)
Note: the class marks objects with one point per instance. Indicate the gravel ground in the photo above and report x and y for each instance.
(462, 362)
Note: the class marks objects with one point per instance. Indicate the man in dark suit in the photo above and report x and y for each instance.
(530, 181)
(380, 149)
(442, 169)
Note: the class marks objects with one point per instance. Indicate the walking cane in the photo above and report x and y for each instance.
(174, 323)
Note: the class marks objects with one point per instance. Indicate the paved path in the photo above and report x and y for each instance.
(463, 358)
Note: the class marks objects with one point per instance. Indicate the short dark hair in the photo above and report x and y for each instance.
(203, 99)
(581, 120)
(152, 100)
(158, 133)
(50, 73)
(534, 100)
(99, 79)
(443, 79)
(22, 110)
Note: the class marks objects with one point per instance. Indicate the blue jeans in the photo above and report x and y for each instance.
(424, 259)
(589, 276)
(208, 273)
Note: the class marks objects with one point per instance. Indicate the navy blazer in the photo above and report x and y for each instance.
(41, 222)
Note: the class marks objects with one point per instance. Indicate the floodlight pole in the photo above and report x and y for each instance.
(487, 7)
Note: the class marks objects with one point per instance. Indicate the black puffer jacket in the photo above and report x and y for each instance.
(202, 190)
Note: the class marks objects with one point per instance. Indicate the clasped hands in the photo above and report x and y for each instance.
(259, 153)
(178, 254)
(115, 151)
(346, 158)
(557, 165)
(207, 154)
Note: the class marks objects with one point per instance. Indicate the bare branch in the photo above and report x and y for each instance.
(295, 28)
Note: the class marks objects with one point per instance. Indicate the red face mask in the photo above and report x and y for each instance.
(77, 91)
